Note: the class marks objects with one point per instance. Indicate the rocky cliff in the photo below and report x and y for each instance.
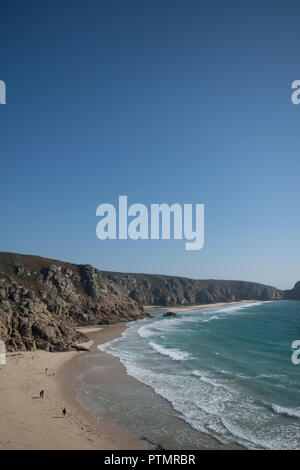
(150, 289)
(42, 302)
(293, 294)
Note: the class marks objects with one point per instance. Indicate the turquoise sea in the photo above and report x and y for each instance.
(226, 371)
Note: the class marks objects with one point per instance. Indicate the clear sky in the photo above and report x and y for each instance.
(163, 101)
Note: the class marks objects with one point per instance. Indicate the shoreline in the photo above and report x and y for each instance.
(120, 437)
(190, 308)
(28, 422)
(99, 366)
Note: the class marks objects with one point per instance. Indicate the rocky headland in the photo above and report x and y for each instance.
(44, 301)
(293, 294)
(152, 289)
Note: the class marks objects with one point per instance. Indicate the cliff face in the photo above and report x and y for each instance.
(42, 301)
(26, 323)
(168, 290)
(293, 294)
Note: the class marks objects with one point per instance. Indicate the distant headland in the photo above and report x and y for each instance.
(44, 301)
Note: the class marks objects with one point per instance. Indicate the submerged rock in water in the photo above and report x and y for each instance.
(169, 314)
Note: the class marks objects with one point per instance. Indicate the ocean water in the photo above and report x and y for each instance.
(226, 371)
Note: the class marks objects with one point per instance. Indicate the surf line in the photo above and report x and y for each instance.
(160, 222)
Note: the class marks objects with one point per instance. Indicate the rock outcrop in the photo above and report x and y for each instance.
(26, 323)
(149, 289)
(169, 314)
(42, 302)
(293, 294)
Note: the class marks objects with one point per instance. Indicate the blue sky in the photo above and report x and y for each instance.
(163, 101)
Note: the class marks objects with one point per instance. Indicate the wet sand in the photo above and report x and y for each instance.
(190, 308)
(125, 406)
(119, 436)
(31, 423)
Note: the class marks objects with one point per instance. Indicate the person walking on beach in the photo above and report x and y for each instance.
(42, 394)
(64, 412)
(53, 373)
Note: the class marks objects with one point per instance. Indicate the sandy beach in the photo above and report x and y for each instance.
(189, 308)
(29, 422)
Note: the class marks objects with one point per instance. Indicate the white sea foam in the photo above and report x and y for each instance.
(214, 317)
(212, 402)
(173, 353)
(271, 376)
(289, 412)
(263, 436)
(241, 306)
(205, 408)
(206, 379)
(106, 346)
(145, 331)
